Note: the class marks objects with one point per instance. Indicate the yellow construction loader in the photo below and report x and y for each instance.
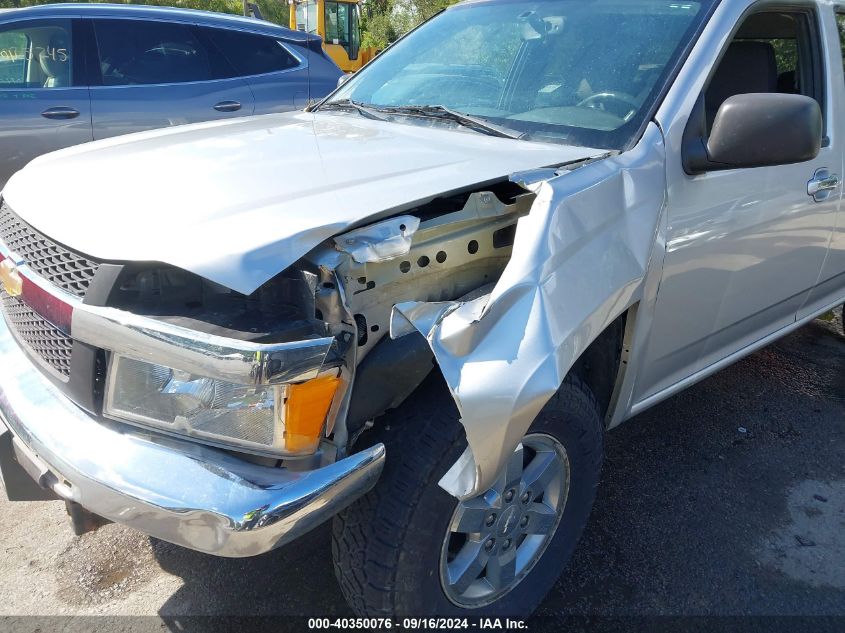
(338, 23)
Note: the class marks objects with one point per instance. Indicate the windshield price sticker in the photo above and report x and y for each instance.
(412, 624)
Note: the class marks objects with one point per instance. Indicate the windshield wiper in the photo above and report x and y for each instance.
(348, 104)
(447, 114)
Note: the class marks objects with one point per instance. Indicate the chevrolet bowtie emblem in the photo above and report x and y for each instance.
(10, 279)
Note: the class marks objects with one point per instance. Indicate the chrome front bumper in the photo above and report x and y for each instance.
(178, 491)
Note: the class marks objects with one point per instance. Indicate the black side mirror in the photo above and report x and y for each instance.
(755, 130)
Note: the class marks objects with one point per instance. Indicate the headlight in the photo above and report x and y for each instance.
(276, 419)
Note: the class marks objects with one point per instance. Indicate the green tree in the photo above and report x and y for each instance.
(384, 21)
(277, 11)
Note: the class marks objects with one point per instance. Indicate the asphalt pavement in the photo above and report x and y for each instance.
(726, 500)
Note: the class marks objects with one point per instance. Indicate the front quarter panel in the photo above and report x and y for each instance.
(580, 259)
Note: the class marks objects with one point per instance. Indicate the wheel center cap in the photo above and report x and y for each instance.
(508, 521)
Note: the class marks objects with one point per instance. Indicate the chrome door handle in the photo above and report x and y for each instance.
(822, 184)
(228, 106)
(60, 113)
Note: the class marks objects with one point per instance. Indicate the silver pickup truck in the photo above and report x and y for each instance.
(418, 306)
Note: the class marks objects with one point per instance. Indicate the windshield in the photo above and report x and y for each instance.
(571, 71)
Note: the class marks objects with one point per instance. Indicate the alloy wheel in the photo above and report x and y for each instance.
(494, 540)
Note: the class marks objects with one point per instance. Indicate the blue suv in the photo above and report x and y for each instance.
(71, 73)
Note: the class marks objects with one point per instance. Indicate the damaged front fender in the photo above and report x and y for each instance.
(580, 258)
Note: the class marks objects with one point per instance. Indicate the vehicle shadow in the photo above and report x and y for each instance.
(294, 580)
(690, 492)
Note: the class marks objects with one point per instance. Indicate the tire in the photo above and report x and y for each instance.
(387, 546)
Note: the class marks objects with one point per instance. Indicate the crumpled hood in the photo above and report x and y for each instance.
(239, 201)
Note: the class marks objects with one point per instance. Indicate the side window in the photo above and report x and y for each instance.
(840, 22)
(36, 55)
(354, 33)
(135, 52)
(773, 51)
(252, 54)
(306, 16)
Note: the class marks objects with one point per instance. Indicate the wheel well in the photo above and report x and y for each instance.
(598, 366)
(379, 387)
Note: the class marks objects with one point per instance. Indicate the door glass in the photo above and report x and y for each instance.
(137, 53)
(771, 52)
(342, 26)
(840, 22)
(338, 23)
(306, 16)
(354, 32)
(36, 55)
(252, 54)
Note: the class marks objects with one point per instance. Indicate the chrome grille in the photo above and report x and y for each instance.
(66, 269)
(42, 338)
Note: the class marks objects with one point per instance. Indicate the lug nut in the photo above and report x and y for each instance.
(524, 522)
(506, 544)
(509, 496)
(526, 497)
(489, 544)
(491, 519)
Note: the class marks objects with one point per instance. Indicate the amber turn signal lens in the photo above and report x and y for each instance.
(306, 408)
